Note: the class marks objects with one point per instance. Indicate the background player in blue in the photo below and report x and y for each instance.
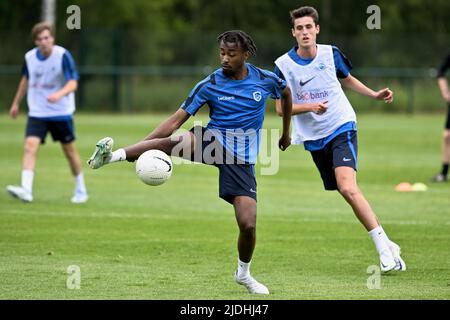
(445, 92)
(325, 122)
(49, 80)
(236, 96)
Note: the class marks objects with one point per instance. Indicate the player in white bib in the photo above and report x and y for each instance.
(325, 122)
(49, 80)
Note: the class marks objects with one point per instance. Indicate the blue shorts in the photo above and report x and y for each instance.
(342, 151)
(61, 130)
(234, 179)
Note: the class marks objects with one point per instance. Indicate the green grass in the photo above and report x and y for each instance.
(178, 240)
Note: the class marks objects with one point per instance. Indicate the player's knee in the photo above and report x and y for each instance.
(348, 192)
(69, 150)
(446, 136)
(30, 147)
(248, 227)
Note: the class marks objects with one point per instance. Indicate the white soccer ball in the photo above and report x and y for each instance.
(154, 167)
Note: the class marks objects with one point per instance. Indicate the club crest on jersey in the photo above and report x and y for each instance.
(257, 96)
(322, 66)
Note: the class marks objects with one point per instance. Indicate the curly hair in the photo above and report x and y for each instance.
(240, 37)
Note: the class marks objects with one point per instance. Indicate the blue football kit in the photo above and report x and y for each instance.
(236, 111)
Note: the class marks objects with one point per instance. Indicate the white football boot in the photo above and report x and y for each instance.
(19, 193)
(400, 265)
(102, 153)
(251, 284)
(387, 261)
(79, 197)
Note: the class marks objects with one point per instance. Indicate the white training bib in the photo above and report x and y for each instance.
(44, 78)
(312, 83)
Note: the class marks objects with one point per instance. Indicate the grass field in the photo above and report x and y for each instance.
(178, 240)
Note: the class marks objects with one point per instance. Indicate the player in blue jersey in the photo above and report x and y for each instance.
(236, 95)
(49, 79)
(445, 92)
(325, 122)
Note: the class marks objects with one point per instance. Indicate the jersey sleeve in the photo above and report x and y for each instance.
(444, 66)
(277, 84)
(278, 72)
(197, 98)
(69, 67)
(342, 64)
(25, 70)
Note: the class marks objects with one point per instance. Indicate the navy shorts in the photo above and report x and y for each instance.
(61, 130)
(447, 123)
(234, 179)
(342, 151)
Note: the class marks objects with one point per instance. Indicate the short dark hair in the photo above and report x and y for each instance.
(304, 12)
(41, 26)
(240, 37)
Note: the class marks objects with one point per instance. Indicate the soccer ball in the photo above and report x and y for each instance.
(154, 167)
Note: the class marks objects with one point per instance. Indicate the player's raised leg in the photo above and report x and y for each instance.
(160, 139)
(103, 153)
(245, 210)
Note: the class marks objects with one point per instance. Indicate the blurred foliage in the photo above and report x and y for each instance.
(183, 32)
(170, 33)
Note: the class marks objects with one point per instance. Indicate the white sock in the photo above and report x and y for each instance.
(80, 186)
(27, 180)
(384, 236)
(379, 238)
(118, 155)
(243, 269)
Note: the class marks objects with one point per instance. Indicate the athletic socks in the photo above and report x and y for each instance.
(243, 269)
(383, 235)
(27, 180)
(380, 239)
(80, 186)
(28, 176)
(118, 155)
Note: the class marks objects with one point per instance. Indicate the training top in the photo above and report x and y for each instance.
(236, 108)
(316, 80)
(47, 75)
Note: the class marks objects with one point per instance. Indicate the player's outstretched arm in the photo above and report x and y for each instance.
(354, 84)
(21, 90)
(286, 109)
(318, 108)
(170, 125)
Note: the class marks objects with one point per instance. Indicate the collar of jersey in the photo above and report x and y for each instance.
(40, 56)
(299, 60)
